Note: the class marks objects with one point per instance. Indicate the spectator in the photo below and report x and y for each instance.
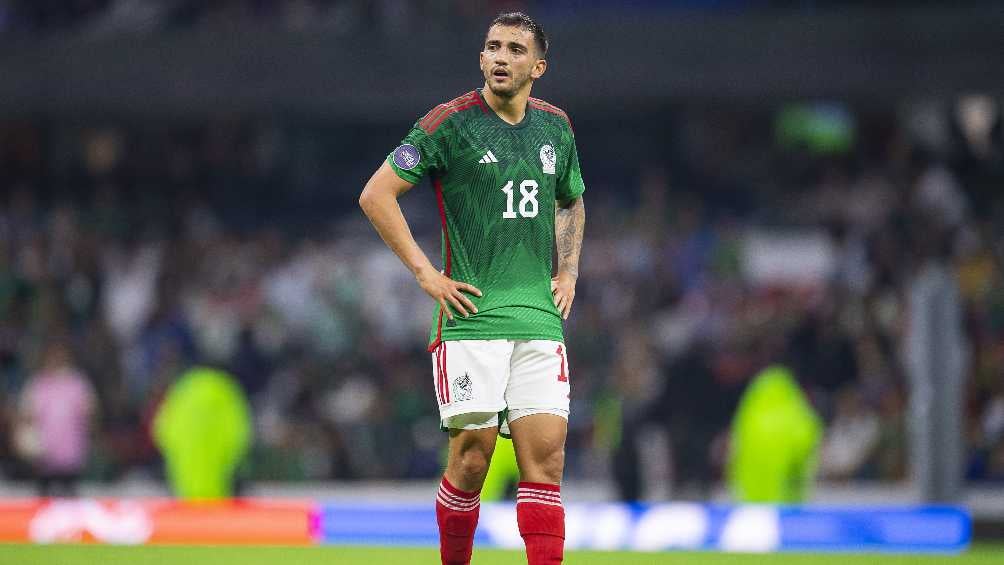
(203, 429)
(57, 408)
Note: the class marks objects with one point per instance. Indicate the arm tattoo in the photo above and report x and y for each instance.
(569, 222)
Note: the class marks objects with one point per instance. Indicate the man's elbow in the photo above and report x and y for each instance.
(366, 200)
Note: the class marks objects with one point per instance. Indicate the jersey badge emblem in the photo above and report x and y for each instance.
(463, 388)
(548, 159)
(407, 157)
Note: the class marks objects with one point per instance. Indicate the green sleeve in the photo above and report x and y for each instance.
(419, 154)
(570, 185)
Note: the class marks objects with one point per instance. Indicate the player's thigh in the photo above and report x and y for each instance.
(538, 378)
(470, 378)
(539, 442)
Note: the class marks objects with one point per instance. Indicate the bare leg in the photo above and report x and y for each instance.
(539, 440)
(458, 502)
(470, 454)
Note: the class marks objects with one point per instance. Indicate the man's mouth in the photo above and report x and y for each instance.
(500, 73)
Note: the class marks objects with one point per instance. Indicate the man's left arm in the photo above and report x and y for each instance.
(569, 225)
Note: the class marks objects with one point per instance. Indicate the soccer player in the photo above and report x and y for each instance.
(506, 175)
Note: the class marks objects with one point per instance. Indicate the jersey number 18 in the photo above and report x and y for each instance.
(527, 204)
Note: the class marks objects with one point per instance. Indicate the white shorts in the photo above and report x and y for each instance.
(476, 380)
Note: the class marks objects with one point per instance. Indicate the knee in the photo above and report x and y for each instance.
(547, 467)
(473, 464)
(554, 465)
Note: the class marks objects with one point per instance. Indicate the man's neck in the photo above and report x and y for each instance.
(511, 110)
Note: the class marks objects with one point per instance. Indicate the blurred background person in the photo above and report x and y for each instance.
(203, 430)
(58, 407)
(774, 442)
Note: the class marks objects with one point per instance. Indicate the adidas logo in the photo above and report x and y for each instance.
(489, 158)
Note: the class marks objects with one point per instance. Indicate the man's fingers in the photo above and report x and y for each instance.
(469, 288)
(466, 302)
(457, 305)
(568, 306)
(442, 304)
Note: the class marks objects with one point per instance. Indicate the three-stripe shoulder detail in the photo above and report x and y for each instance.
(538, 104)
(432, 120)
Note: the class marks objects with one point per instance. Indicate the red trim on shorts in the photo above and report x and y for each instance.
(438, 185)
(446, 376)
(439, 377)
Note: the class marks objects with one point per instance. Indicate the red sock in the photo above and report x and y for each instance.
(541, 519)
(457, 515)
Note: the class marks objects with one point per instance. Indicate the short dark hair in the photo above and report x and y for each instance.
(523, 21)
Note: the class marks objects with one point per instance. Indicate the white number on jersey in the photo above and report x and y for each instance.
(527, 204)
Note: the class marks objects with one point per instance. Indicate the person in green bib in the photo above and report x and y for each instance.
(203, 430)
(775, 441)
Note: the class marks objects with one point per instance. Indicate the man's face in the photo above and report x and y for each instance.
(510, 60)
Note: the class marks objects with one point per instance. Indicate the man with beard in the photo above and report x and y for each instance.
(506, 175)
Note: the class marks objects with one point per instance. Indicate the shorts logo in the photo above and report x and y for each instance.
(407, 157)
(463, 388)
(548, 160)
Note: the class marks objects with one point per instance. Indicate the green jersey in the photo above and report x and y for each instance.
(496, 185)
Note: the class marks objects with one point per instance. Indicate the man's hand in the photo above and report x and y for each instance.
(563, 291)
(443, 289)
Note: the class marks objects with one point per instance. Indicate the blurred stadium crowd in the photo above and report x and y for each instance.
(236, 242)
(383, 16)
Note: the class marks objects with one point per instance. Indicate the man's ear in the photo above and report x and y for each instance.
(538, 69)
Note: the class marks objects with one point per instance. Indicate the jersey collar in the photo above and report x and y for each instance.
(522, 124)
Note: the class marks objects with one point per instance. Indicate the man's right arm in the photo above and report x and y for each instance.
(379, 202)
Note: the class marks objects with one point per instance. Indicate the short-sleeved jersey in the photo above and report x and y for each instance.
(496, 186)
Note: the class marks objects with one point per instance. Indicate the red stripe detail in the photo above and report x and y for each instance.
(538, 486)
(442, 375)
(463, 98)
(455, 105)
(463, 494)
(481, 102)
(540, 102)
(438, 111)
(448, 266)
(562, 376)
(428, 115)
(549, 108)
(439, 377)
(541, 105)
(453, 110)
(534, 497)
(446, 376)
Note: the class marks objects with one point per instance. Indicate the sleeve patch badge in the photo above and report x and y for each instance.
(407, 157)
(548, 159)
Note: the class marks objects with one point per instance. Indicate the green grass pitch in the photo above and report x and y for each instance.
(336, 555)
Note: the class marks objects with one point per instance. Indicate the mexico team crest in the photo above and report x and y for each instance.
(463, 388)
(548, 159)
(407, 157)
